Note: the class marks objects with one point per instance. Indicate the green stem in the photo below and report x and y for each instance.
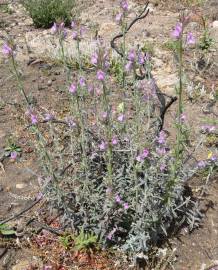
(20, 83)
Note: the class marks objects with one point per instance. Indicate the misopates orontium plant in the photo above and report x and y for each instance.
(113, 174)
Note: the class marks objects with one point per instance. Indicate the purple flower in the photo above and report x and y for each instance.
(128, 66)
(161, 151)
(110, 235)
(39, 196)
(82, 31)
(75, 35)
(131, 55)
(145, 153)
(94, 59)
(82, 82)
(162, 167)
(103, 146)
(141, 58)
(34, 119)
(71, 123)
(13, 155)
(48, 117)
(177, 31)
(141, 157)
(126, 206)
(213, 158)
(118, 198)
(54, 29)
(201, 164)
(100, 75)
(124, 5)
(114, 140)
(118, 17)
(190, 39)
(6, 50)
(183, 117)
(208, 128)
(47, 267)
(108, 190)
(73, 88)
(121, 118)
(104, 115)
(162, 137)
(73, 24)
(90, 89)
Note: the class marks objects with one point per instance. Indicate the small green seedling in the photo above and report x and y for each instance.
(5, 230)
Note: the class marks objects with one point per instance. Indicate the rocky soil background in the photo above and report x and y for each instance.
(38, 55)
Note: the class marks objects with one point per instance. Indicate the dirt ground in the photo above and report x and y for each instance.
(44, 80)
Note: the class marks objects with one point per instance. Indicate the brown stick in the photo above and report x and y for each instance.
(27, 208)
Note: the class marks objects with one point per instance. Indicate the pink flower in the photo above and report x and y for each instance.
(104, 115)
(131, 55)
(128, 66)
(162, 137)
(177, 31)
(114, 140)
(190, 39)
(48, 117)
(13, 155)
(118, 17)
(142, 156)
(110, 235)
(161, 151)
(139, 158)
(141, 58)
(34, 119)
(82, 82)
(73, 24)
(121, 118)
(145, 153)
(90, 89)
(6, 50)
(162, 167)
(73, 88)
(75, 35)
(118, 199)
(54, 29)
(201, 164)
(124, 5)
(126, 206)
(213, 158)
(82, 31)
(100, 75)
(103, 145)
(183, 117)
(108, 190)
(94, 59)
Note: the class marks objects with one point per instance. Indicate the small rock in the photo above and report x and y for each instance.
(49, 83)
(53, 79)
(20, 186)
(215, 24)
(21, 265)
(1, 188)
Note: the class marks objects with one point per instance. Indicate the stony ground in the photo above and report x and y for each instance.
(37, 54)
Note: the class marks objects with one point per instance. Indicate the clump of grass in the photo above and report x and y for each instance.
(45, 12)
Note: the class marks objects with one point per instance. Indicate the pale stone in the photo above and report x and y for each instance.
(21, 265)
(215, 24)
(20, 185)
